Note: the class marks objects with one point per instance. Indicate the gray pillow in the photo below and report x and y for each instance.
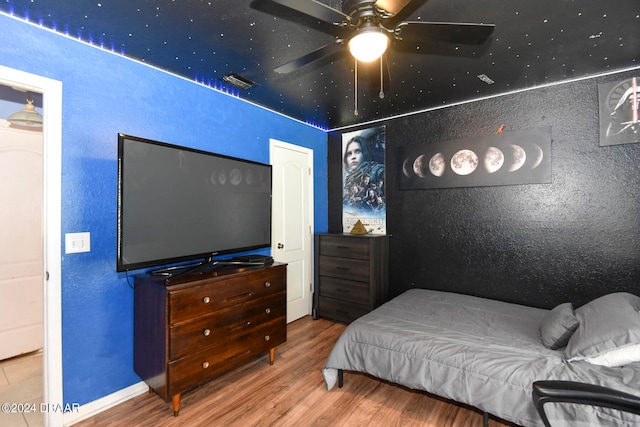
(557, 326)
(609, 331)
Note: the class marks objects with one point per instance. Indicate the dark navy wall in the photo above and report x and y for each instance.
(571, 240)
(103, 94)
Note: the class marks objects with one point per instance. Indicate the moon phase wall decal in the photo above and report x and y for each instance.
(508, 158)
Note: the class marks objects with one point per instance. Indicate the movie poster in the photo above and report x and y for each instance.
(620, 112)
(363, 180)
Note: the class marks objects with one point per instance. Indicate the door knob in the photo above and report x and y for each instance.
(280, 246)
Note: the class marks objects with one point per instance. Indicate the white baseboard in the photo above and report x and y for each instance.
(92, 408)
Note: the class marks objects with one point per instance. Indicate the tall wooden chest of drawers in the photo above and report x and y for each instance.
(194, 327)
(351, 275)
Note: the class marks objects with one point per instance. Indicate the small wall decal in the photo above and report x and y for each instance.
(506, 158)
(619, 112)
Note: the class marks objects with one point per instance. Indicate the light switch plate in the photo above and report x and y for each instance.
(77, 242)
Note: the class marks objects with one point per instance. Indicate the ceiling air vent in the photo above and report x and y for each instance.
(238, 81)
(488, 80)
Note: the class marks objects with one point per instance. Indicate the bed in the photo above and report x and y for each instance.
(488, 353)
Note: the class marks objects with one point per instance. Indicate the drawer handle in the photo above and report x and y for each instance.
(206, 332)
(206, 300)
(268, 311)
(242, 296)
(343, 247)
(267, 284)
(205, 365)
(346, 291)
(242, 326)
(239, 355)
(342, 268)
(267, 337)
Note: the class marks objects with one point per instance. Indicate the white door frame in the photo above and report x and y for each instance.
(287, 146)
(51, 91)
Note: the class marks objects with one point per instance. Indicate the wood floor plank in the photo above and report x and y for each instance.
(292, 393)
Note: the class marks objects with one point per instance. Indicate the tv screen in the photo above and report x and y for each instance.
(177, 204)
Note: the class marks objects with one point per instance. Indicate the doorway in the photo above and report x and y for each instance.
(51, 91)
(292, 214)
(21, 238)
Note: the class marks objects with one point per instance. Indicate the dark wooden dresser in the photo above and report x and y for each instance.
(194, 327)
(351, 275)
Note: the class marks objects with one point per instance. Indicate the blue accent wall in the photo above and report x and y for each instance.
(104, 94)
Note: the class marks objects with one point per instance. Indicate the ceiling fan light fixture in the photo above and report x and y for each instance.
(27, 117)
(369, 44)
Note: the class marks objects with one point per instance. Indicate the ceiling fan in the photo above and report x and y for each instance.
(368, 27)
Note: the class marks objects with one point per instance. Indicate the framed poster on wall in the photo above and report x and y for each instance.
(363, 180)
(619, 104)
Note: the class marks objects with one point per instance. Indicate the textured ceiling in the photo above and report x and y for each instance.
(534, 43)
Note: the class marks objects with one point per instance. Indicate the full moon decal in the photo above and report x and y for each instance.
(464, 162)
(519, 156)
(437, 164)
(493, 159)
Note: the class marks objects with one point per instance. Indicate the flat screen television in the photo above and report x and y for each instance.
(177, 204)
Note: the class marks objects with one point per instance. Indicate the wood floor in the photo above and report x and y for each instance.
(292, 393)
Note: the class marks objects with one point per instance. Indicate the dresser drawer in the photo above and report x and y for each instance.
(346, 290)
(199, 300)
(345, 247)
(224, 324)
(207, 363)
(352, 269)
(341, 310)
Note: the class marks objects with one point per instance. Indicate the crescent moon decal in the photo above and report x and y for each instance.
(418, 166)
(538, 155)
(518, 157)
(406, 168)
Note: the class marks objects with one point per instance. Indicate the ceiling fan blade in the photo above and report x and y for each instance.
(448, 32)
(392, 7)
(316, 10)
(310, 57)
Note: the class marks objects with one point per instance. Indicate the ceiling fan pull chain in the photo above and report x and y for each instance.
(355, 108)
(381, 94)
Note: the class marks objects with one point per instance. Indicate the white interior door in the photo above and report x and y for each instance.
(292, 229)
(50, 228)
(21, 263)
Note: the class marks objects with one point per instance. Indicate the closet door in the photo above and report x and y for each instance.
(292, 222)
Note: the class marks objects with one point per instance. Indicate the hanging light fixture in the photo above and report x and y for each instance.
(28, 117)
(369, 44)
